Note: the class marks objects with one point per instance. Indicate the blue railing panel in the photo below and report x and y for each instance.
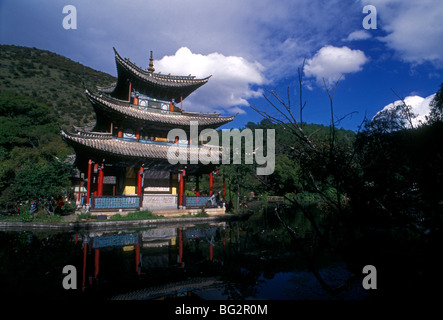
(115, 240)
(116, 202)
(199, 201)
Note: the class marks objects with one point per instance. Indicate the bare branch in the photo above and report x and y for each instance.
(406, 109)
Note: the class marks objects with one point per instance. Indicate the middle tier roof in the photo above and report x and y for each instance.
(123, 109)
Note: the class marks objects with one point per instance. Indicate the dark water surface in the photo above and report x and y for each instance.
(217, 261)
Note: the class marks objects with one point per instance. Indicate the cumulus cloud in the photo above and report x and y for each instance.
(414, 29)
(419, 108)
(232, 82)
(331, 63)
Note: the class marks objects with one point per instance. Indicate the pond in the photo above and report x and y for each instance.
(232, 260)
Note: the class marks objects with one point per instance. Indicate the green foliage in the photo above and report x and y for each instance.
(32, 153)
(436, 106)
(51, 79)
(136, 215)
(25, 214)
(402, 172)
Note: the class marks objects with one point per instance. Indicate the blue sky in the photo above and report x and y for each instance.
(250, 46)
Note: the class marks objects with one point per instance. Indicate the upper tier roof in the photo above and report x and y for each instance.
(155, 85)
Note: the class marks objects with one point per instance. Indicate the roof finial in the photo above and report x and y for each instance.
(151, 64)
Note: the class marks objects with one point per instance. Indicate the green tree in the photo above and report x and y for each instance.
(33, 156)
(436, 106)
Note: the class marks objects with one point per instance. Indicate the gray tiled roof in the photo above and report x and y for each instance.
(108, 103)
(157, 78)
(105, 142)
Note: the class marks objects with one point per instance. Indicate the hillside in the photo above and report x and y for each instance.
(51, 79)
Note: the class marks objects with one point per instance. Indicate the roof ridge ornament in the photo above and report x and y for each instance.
(151, 64)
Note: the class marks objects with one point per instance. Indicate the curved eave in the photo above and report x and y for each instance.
(124, 109)
(106, 144)
(173, 87)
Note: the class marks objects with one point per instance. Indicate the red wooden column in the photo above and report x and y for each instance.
(96, 262)
(137, 259)
(79, 192)
(211, 183)
(88, 191)
(95, 179)
(100, 181)
(181, 188)
(130, 88)
(139, 181)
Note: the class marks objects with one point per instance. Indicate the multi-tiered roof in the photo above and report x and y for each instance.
(145, 100)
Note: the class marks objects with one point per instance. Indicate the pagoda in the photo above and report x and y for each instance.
(124, 158)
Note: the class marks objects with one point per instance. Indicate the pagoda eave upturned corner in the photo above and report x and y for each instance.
(149, 83)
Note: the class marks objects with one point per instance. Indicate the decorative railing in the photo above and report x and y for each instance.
(200, 233)
(199, 201)
(115, 240)
(115, 202)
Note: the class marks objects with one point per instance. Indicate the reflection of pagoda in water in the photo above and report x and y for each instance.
(154, 249)
(124, 159)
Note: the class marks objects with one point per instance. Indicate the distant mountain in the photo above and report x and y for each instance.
(52, 79)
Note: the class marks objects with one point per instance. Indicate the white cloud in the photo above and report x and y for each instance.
(331, 63)
(419, 107)
(414, 28)
(229, 87)
(358, 35)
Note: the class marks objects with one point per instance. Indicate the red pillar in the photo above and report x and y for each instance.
(211, 182)
(181, 189)
(96, 179)
(137, 259)
(139, 181)
(130, 88)
(88, 191)
(96, 262)
(79, 192)
(100, 182)
(211, 252)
